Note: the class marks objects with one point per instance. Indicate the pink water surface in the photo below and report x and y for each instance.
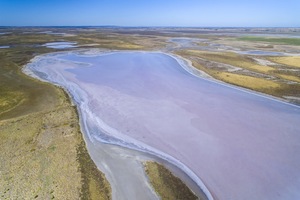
(241, 145)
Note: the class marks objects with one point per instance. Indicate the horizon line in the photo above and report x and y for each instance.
(121, 26)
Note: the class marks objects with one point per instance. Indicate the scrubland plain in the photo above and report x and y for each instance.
(41, 142)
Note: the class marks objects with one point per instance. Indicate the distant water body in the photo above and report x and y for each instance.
(240, 144)
(262, 53)
(60, 45)
(4, 47)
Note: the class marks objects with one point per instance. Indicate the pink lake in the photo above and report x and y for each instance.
(240, 144)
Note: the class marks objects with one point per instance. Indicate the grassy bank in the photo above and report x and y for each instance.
(167, 186)
(287, 41)
(42, 152)
(293, 61)
(43, 156)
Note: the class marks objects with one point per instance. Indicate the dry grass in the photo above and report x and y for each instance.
(288, 41)
(42, 152)
(249, 82)
(168, 186)
(290, 78)
(10, 100)
(109, 43)
(38, 155)
(120, 41)
(293, 61)
(41, 156)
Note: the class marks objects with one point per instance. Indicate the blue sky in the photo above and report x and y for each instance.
(257, 13)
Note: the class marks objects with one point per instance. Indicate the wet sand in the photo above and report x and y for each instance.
(241, 145)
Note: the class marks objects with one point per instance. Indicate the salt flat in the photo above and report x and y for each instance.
(60, 45)
(240, 144)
